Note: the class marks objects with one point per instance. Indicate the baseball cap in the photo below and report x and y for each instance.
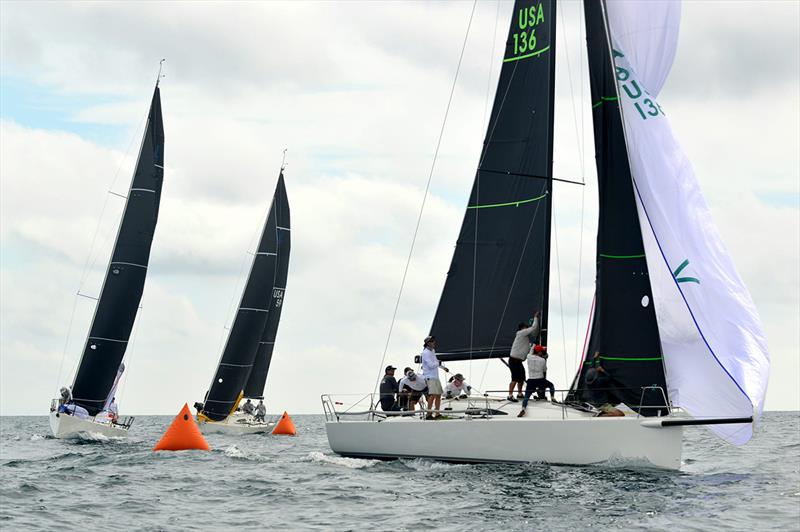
(390, 368)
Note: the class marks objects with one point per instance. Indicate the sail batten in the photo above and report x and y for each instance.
(124, 280)
(502, 251)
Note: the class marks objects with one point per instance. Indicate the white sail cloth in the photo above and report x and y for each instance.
(715, 352)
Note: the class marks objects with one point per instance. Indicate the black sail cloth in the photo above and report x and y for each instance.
(624, 328)
(503, 249)
(258, 374)
(239, 353)
(124, 281)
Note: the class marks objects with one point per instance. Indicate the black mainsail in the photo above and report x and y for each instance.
(258, 375)
(499, 274)
(624, 329)
(124, 281)
(239, 355)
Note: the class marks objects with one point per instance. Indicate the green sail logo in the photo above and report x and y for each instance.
(679, 269)
(524, 39)
(644, 104)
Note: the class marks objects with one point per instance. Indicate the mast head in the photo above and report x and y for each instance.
(160, 75)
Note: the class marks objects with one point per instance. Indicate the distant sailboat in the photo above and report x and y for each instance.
(86, 407)
(672, 322)
(245, 360)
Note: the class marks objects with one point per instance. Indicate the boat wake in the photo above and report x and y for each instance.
(426, 464)
(350, 463)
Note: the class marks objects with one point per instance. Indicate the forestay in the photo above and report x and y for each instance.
(499, 272)
(717, 363)
(124, 280)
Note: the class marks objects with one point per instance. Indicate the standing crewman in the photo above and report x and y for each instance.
(261, 411)
(519, 352)
(430, 370)
(388, 390)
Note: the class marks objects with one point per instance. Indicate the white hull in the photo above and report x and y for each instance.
(235, 424)
(549, 433)
(73, 427)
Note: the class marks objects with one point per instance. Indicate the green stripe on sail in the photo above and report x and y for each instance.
(605, 256)
(537, 52)
(510, 204)
(605, 99)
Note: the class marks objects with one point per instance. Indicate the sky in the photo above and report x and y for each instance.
(356, 92)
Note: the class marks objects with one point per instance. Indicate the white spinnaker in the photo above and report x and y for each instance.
(715, 352)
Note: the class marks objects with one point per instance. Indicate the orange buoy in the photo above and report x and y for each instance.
(183, 434)
(285, 426)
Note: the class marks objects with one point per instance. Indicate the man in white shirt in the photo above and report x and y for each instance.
(411, 388)
(519, 352)
(113, 409)
(457, 388)
(537, 368)
(430, 370)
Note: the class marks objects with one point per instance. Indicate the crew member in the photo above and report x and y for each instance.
(537, 367)
(411, 388)
(457, 388)
(519, 352)
(261, 411)
(388, 390)
(248, 407)
(430, 370)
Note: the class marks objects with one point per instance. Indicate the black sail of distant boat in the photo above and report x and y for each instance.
(124, 281)
(499, 274)
(624, 329)
(258, 374)
(238, 356)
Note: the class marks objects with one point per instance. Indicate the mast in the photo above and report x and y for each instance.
(624, 327)
(125, 276)
(499, 274)
(238, 356)
(258, 375)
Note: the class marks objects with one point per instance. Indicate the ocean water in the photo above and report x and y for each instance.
(296, 483)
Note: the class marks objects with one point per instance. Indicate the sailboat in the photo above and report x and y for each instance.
(672, 322)
(87, 407)
(244, 364)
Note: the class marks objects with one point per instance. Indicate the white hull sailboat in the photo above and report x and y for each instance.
(673, 332)
(550, 433)
(241, 373)
(73, 427)
(85, 407)
(238, 423)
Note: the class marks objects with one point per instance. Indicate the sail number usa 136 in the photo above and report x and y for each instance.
(523, 39)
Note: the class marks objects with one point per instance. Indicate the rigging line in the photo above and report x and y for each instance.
(89, 260)
(572, 90)
(582, 136)
(478, 192)
(560, 294)
(425, 195)
(511, 287)
(519, 174)
(484, 152)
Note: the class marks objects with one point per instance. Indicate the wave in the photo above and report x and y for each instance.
(350, 463)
